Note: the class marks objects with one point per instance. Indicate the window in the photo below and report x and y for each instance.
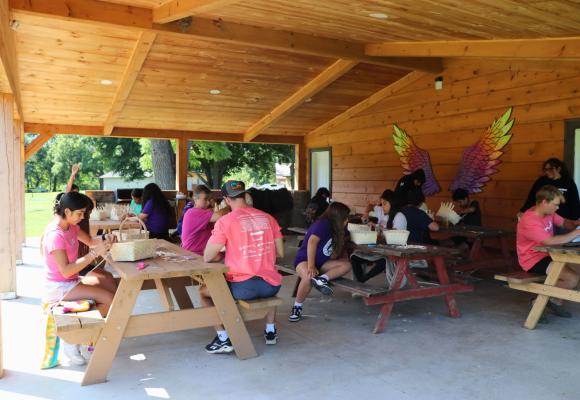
(572, 148)
(320, 169)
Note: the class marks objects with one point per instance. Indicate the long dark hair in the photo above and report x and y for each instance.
(396, 204)
(153, 192)
(557, 163)
(337, 213)
(321, 194)
(71, 200)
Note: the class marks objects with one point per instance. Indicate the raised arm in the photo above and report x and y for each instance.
(71, 180)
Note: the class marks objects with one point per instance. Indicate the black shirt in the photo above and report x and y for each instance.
(570, 209)
(472, 218)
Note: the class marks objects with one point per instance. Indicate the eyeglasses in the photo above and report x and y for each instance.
(546, 169)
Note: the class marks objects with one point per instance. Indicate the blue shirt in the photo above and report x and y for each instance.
(323, 229)
(417, 224)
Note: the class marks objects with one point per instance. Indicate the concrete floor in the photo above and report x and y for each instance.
(423, 354)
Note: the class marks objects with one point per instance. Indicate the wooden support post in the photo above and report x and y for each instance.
(1, 355)
(18, 179)
(7, 217)
(181, 169)
(301, 166)
(36, 144)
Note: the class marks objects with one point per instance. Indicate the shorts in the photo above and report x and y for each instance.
(55, 291)
(541, 266)
(253, 288)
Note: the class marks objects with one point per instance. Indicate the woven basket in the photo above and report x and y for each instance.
(358, 227)
(364, 237)
(133, 249)
(124, 235)
(396, 236)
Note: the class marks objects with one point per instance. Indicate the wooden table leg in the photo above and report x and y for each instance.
(386, 309)
(112, 333)
(230, 315)
(164, 294)
(475, 252)
(182, 297)
(556, 268)
(444, 280)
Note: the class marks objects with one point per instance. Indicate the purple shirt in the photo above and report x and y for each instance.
(196, 229)
(157, 218)
(323, 229)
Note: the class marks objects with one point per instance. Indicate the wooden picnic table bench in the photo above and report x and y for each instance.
(532, 283)
(165, 274)
(478, 258)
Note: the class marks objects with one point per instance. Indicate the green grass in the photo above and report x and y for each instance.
(38, 212)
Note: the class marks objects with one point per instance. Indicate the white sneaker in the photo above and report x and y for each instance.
(86, 351)
(73, 354)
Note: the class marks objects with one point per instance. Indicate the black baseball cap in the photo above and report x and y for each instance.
(233, 188)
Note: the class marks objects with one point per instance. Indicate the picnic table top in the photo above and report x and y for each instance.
(475, 231)
(408, 250)
(171, 261)
(573, 249)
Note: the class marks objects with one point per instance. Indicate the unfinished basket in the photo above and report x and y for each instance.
(133, 249)
(124, 235)
(396, 236)
(358, 227)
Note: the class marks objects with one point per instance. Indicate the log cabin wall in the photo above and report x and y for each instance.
(444, 122)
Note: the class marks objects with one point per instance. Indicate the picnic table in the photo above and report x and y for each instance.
(477, 258)
(401, 255)
(109, 225)
(177, 263)
(560, 256)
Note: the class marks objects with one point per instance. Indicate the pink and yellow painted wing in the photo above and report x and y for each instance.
(413, 158)
(481, 159)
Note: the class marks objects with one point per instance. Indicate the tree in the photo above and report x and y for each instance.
(163, 159)
(119, 155)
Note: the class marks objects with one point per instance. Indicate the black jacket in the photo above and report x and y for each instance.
(570, 209)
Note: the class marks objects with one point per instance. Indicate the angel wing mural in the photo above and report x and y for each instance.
(478, 163)
(414, 158)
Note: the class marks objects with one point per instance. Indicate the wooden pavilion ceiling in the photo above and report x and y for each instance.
(274, 61)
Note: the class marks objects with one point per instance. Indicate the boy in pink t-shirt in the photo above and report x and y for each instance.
(536, 228)
(198, 221)
(252, 240)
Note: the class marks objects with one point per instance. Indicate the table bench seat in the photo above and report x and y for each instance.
(520, 277)
(260, 304)
(79, 328)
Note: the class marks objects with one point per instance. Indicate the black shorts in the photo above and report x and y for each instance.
(541, 266)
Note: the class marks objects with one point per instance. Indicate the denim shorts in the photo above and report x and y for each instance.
(253, 288)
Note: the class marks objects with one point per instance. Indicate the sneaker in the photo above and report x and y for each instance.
(217, 346)
(86, 351)
(559, 310)
(321, 284)
(296, 314)
(72, 352)
(271, 337)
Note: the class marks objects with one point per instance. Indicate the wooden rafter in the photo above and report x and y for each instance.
(37, 144)
(8, 55)
(545, 48)
(177, 9)
(370, 101)
(132, 70)
(227, 32)
(325, 78)
(157, 134)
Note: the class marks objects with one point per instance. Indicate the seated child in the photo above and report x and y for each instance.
(136, 206)
(468, 209)
(419, 223)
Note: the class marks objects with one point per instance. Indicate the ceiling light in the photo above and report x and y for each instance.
(14, 24)
(378, 15)
(106, 82)
(308, 99)
(215, 91)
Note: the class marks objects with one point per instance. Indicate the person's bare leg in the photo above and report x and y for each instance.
(206, 301)
(271, 316)
(102, 279)
(335, 268)
(305, 285)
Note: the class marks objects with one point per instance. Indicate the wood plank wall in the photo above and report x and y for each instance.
(445, 122)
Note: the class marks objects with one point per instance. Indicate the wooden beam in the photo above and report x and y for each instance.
(177, 9)
(83, 130)
(132, 70)
(18, 189)
(181, 165)
(301, 160)
(7, 219)
(325, 78)
(8, 55)
(94, 11)
(545, 48)
(369, 101)
(36, 144)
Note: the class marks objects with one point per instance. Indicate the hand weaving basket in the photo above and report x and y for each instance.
(133, 249)
(396, 236)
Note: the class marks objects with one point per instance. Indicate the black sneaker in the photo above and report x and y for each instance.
(271, 337)
(559, 310)
(296, 314)
(321, 284)
(217, 346)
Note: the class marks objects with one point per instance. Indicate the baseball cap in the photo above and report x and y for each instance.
(233, 188)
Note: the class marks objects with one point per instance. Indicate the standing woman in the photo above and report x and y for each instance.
(556, 174)
(318, 259)
(59, 247)
(156, 212)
